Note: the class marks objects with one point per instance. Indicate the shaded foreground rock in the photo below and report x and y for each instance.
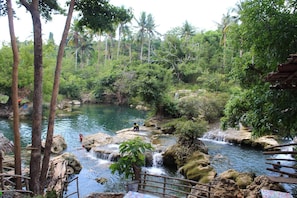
(106, 195)
(6, 146)
(238, 185)
(60, 168)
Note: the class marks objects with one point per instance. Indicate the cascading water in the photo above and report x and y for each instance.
(157, 165)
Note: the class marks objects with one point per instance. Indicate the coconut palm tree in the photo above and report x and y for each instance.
(125, 16)
(151, 31)
(226, 21)
(187, 30)
(141, 34)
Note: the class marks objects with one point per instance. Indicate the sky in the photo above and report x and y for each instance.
(168, 14)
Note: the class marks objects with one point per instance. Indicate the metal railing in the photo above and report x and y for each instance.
(72, 193)
(165, 186)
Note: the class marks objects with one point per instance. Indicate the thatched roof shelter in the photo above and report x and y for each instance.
(286, 75)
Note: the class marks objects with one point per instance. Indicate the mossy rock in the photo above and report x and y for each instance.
(229, 174)
(198, 168)
(243, 180)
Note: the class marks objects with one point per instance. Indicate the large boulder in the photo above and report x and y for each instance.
(198, 168)
(73, 166)
(95, 140)
(58, 145)
(177, 154)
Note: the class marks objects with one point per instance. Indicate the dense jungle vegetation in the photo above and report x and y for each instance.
(222, 72)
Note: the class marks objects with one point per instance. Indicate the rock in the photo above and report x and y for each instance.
(261, 182)
(106, 195)
(198, 168)
(241, 179)
(234, 184)
(58, 145)
(101, 180)
(177, 154)
(60, 168)
(76, 102)
(6, 146)
(97, 139)
(241, 137)
(73, 165)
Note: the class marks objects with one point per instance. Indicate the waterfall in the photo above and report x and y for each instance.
(216, 135)
(157, 160)
(157, 165)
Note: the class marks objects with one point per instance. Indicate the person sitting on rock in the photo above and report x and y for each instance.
(135, 127)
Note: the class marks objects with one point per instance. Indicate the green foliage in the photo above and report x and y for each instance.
(266, 40)
(132, 154)
(5, 69)
(151, 84)
(190, 130)
(208, 106)
(51, 194)
(71, 86)
(100, 16)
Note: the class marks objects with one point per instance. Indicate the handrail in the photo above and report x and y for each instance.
(6, 178)
(166, 186)
(287, 175)
(65, 188)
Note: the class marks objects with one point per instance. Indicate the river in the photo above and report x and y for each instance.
(90, 119)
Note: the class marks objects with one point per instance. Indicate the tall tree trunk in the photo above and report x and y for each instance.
(15, 105)
(141, 50)
(106, 49)
(35, 160)
(98, 57)
(149, 50)
(119, 42)
(51, 121)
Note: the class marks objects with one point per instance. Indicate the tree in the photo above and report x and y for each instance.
(53, 104)
(269, 36)
(132, 158)
(37, 8)
(125, 16)
(227, 20)
(151, 31)
(141, 34)
(15, 98)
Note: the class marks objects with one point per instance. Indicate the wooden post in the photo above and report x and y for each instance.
(164, 187)
(1, 170)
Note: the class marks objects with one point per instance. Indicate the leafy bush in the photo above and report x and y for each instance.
(208, 106)
(188, 130)
(132, 157)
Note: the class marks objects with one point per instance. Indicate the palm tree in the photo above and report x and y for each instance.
(81, 41)
(127, 36)
(187, 30)
(227, 20)
(150, 29)
(141, 34)
(74, 39)
(125, 16)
